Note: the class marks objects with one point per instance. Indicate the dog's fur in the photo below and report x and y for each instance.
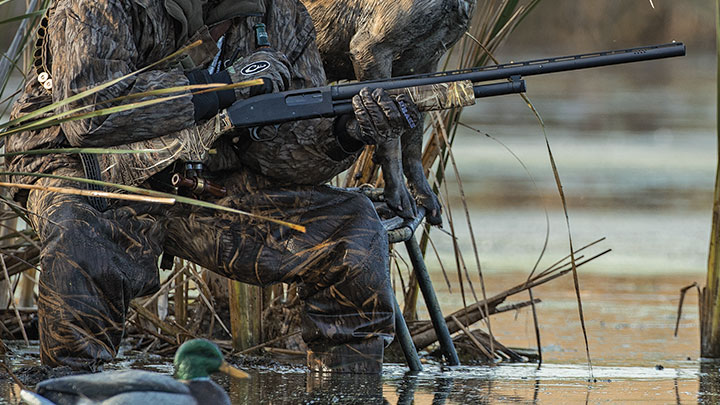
(378, 39)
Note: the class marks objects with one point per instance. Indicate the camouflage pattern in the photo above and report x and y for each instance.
(371, 110)
(294, 152)
(340, 263)
(90, 43)
(441, 96)
(95, 262)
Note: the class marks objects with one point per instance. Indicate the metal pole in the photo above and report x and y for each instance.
(402, 334)
(436, 316)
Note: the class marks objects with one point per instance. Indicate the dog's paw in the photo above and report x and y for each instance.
(433, 209)
(400, 200)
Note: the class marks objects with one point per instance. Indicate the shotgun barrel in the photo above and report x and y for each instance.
(527, 68)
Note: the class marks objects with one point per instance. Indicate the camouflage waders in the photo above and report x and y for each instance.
(95, 261)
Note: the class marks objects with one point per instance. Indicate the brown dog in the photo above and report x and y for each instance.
(378, 39)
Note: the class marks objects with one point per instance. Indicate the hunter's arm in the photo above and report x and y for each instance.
(92, 43)
(297, 152)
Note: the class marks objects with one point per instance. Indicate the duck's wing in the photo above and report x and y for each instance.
(102, 386)
(31, 398)
(208, 392)
(152, 398)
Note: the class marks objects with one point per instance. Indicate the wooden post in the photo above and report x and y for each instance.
(4, 294)
(180, 297)
(245, 314)
(710, 300)
(411, 298)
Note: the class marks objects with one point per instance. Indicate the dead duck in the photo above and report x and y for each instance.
(194, 361)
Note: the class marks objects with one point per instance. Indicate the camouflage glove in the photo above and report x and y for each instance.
(266, 64)
(270, 66)
(382, 117)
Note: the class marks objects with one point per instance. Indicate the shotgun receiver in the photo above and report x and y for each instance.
(432, 91)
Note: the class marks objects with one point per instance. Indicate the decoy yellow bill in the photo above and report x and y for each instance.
(232, 371)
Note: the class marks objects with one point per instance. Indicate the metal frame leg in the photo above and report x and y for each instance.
(402, 334)
(436, 316)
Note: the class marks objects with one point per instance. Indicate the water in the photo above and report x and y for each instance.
(636, 152)
(630, 321)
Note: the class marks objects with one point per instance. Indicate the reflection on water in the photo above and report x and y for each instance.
(471, 385)
(630, 322)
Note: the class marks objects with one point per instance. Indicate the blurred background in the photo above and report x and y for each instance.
(634, 144)
(636, 151)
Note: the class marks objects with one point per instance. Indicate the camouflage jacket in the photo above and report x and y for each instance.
(91, 42)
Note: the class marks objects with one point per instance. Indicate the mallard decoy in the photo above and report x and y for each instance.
(194, 361)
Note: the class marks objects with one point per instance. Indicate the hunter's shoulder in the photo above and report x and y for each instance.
(79, 8)
(290, 11)
(106, 16)
(292, 26)
(107, 26)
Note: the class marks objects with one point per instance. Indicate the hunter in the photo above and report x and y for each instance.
(97, 253)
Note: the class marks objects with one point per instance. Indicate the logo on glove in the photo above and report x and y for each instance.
(255, 67)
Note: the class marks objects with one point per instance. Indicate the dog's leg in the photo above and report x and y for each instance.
(412, 165)
(412, 142)
(397, 196)
(372, 61)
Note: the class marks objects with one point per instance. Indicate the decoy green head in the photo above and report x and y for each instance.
(198, 358)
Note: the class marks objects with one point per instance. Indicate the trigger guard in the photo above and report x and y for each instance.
(255, 134)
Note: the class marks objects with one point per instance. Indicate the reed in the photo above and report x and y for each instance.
(710, 299)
